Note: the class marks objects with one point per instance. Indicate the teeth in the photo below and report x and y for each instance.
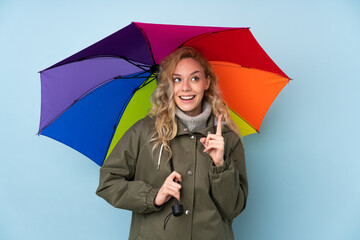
(187, 97)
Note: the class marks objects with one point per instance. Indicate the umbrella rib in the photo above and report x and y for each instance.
(118, 120)
(226, 65)
(147, 41)
(87, 92)
(135, 76)
(244, 120)
(141, 66)
(146, 82)
(75, 101)
(196, 38)
(240, 66)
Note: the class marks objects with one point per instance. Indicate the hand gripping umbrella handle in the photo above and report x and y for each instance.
(177, 209)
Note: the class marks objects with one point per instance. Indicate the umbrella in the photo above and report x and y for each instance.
(91, 98)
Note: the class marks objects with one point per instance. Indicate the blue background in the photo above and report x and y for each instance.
(303, 167)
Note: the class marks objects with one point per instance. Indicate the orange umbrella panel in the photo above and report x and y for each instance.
(248, 92)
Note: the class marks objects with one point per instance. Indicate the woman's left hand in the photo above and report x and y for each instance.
(214, 144)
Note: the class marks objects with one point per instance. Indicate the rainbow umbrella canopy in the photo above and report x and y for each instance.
(91, 98)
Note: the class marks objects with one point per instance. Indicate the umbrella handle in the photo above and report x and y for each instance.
(177, 209)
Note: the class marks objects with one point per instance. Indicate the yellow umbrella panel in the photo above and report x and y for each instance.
(136, 109)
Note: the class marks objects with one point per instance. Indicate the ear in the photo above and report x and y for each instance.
(207, 83)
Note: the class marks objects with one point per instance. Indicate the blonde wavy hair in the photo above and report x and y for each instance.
(163, 103)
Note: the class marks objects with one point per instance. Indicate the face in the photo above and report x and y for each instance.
(189, 83)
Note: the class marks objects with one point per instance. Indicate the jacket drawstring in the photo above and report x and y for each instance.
(158, 165)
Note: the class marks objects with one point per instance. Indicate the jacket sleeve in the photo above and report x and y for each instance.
(117, 185)
(228, 183)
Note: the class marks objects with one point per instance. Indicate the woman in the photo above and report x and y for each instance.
(185, 130)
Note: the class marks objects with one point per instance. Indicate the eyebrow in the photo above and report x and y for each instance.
(177, 74)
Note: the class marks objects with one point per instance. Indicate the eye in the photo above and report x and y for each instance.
(195, 78)
(177, 79)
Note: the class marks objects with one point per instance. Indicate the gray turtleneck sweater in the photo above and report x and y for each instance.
(196, 122)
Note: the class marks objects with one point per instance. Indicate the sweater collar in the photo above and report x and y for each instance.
(196, 122)
(210, 127)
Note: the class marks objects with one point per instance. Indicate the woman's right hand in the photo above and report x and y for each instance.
(170, 188)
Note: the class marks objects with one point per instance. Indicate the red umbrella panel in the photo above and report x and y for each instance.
(92, 97)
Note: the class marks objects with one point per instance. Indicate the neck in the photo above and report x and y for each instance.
(196, 122)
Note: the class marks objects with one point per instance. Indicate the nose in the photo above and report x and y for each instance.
(185, 86)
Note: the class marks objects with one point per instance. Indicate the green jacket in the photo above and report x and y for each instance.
(211, 196)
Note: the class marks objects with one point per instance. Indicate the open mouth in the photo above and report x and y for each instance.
(187, 97)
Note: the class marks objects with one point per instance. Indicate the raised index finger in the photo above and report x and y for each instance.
(219, 125)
